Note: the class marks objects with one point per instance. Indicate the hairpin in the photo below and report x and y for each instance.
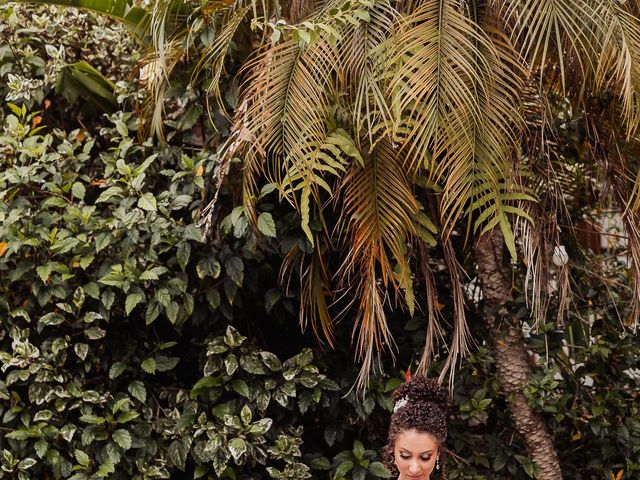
(400, 403)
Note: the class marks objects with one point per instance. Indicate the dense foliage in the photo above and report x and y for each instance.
(131, 346)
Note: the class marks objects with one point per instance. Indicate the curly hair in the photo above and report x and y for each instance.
(420, 405)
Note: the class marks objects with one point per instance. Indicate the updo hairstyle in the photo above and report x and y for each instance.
(420, 404)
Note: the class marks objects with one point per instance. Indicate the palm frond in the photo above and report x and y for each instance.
(619, 61)
(461, 337)
(554, 34)
(436, 72)
(315, 289)
(625, 184)
(458, 84)
(435, 331)
(155, 79)
(362, 55)
(289, 121)
(166, 27)
(598, 39)
(378, 210)
(213, 57)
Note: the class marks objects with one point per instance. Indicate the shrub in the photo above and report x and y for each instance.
(39, 42)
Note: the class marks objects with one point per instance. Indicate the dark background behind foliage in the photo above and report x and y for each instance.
(118, 360)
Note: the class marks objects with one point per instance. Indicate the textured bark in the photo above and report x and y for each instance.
(300, 9)
(511, 358)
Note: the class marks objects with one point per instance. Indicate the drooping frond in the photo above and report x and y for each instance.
(288, 111)
(456, 93)
(435, 331)
(154, 78)
(555, 34)
(461, 337)
(170, 25)
(592, 43)
(362, 53)
(315, 289)
(539, 243)
(377, 219)
(625, 183)
(619, 61)
(214, 55)
(435, 73)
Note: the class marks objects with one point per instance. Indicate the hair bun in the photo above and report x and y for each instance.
(423, 390)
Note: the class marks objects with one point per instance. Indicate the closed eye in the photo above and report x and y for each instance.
(407, 457)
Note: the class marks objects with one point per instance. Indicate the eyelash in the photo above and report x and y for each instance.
(421, 458)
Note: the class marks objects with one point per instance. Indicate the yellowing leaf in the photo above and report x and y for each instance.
(3, 247)
(304, 211)
(199, 171)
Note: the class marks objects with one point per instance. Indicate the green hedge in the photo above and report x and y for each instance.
(110, 304)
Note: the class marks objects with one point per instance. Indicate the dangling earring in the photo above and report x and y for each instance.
(438, 463)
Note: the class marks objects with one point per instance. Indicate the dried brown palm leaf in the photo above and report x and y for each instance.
(362, 55)
(455, 89)
(555, 34)
(619, 62)
(377, 221)
(315, 289)
(435, 331)
(624, 183)
(461, 337)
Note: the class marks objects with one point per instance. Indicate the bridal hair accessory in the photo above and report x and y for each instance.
(400, 403)
(403, 401)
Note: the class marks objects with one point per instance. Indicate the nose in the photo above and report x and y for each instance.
(414, 468)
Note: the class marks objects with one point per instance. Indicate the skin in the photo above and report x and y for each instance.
(415, 455)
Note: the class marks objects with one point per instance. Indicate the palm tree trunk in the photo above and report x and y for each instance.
(298, 10)
(511, 358)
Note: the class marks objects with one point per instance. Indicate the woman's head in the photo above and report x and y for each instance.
(418, 429)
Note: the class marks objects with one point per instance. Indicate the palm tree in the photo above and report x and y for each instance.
(420, 120)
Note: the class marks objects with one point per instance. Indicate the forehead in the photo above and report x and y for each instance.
(415, 441)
